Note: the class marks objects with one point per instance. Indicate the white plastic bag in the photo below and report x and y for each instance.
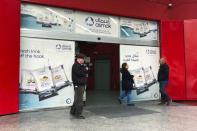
(28, 82)
(43, 78)
(59, 76)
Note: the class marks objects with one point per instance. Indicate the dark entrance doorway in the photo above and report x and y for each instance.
(104, 77)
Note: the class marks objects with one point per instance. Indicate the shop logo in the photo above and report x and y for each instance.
(89, 21)
(156, 95)
(58, 46)
(63, 47)
(68, 101)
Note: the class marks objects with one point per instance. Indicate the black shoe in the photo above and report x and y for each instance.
(80, 117)
(84, 103)
(73, 114)
(131, 104)
(168, 102)
(119, 101)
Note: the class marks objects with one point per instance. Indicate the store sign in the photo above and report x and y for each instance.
(96, 24)
(64, 20)
(138, 29)
(47, 18)
(143, 64)
(45, 73)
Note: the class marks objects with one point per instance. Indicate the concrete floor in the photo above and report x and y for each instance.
(110, 116)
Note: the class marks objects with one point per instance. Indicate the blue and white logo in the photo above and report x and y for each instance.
(156, 95)
(89, 21)
(68, 101)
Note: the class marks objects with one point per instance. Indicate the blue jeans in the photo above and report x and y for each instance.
(162, 88)
(128, 95)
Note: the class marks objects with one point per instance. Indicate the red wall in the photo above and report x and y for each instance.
(150, 9)
(172, 48)
(9, 56)
(183, 9)
(190, 28)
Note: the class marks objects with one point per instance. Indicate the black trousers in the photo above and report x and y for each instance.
(164, 95)
(77, 107)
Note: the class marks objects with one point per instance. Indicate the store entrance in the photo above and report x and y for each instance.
(102, 74)
(104, 77)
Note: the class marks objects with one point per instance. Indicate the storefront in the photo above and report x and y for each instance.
(172, 46)
(49, 42)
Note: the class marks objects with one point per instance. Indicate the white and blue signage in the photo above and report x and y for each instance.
(45, 73)
(143, 63)
(46, 18)
(136, 29)
(84, 23)
(96, 24)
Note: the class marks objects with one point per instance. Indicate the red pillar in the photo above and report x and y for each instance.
(190, 30)
(172, 48)
(9, 56)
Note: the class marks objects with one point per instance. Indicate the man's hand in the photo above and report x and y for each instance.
(87, 68)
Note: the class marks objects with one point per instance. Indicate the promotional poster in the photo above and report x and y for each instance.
(136, 29)
(47, 18)
(45, 73)
(143, 63)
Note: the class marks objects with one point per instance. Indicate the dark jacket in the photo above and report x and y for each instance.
(163, 73)
(127, 80)
(79, 74)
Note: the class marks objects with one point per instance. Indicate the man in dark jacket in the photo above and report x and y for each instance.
(163, 75)
(79, 72)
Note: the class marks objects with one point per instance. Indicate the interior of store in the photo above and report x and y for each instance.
(103, 83)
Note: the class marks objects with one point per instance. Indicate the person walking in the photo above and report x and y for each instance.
(163, 76)
(79, 72)
(127, 85)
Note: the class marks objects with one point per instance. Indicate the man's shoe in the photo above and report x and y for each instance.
(72, 113)
(168, 102)
(131, 104)
(80, 117)
(119, 101)
(84, 103)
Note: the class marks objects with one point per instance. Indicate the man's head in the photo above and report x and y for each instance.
(162, 61)
(80, 58)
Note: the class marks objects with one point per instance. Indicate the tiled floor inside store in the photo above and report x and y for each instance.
(104, 113)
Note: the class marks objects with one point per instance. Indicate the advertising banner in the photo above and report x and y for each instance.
(96, 24)
(138, 29)
(47, 18)
(143, 63)
(45, 73)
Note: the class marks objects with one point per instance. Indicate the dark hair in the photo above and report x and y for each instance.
(80, 55)
(124, 65)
